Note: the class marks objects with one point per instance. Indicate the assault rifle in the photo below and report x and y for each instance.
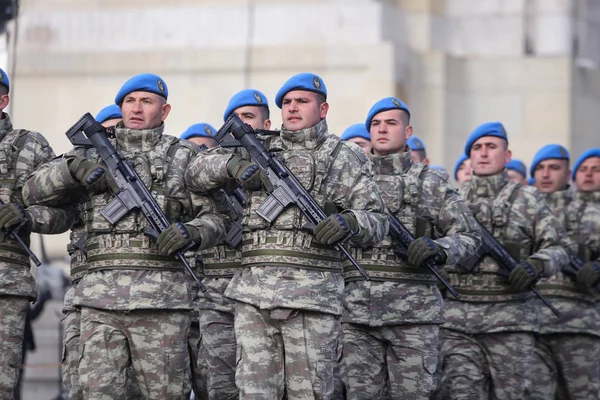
(491, 247)
(12, 233)
(286, 189)
(402, 236)
(133, 194)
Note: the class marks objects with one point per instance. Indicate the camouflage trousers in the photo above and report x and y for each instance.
(217, 355)
(567, 365)
(193, 342)
(70, 357)
(490, 365)
(389, 362)
(154, 343)
(285, 352)
(12, 325)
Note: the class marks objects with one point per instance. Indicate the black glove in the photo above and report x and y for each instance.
(424, 250)
(12, 214)
(525, 274)
(335, 227)
(84, 171)
(176, 237)
(589, 274)
(245, 172)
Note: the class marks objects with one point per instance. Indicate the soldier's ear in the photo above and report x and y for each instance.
(507, 156)
(267, 124)
(164, 112)
(4, 100)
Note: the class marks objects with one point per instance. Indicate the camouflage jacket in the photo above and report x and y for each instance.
(283, 266)
(21, 152)
(425, 203)
(124, 269)
(521, 220)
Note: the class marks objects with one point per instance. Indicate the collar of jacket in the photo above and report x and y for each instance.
(138, 140)
(5, 126)
(488, 186)
(589, 197)
(392, 164)
(304, 139)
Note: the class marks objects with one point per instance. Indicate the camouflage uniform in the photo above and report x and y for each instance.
(289, 293)
(135, 303)
(391, 324)
(21, 152)
(488, 337)
(568, 349)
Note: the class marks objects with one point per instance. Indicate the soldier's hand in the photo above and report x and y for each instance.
(589, 274)
(245, 172)
(12, 214)
(335, 227)
(525, 274)
(84, 171)
(176, 237)
(424, 250)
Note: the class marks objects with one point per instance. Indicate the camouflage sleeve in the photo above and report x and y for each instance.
(212, 224)
(50, 221)
(547, 234)
(52, 184)
(445, 209)
(208, 170)
(350, 185)
(39, 148)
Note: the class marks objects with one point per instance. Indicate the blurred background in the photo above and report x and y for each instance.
(531, 64)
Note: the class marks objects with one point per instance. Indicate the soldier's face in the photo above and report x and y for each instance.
(514, 176)
(252, 116)
(587, 177)
(489, 155)
(143, 110)
(464, 172)
(300, 109)
(551, 175)
(389, 132)
(363, 143)
(111, 122)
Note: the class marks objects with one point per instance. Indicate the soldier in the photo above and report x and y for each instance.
(135, 296)
(21, 152)
(488, 337)
(516, 171)
(358, 134)
(391, 324)
(568, 348)
(217, 345)
(462, 170)
(289, 292)
(417, 150)
(586, 174)
(201, 134)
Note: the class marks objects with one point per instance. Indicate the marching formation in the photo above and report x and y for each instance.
(291, 264)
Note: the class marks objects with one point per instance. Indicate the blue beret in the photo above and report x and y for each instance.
(548, 152)
(488, 129)
(531, 181)
(415, 143)
(4, 79)
(248, 97)
(463, 157)
(109, 112)
(199, 130)
(517, 165)
(303, 81)
(586, 154)
(356, 130)
(143, 83)
(389, 103)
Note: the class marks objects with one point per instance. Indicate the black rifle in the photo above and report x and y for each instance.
(12, 233)
(286, 188)
(133, 194)
(404, 238)
(491, 247)
(236, 201)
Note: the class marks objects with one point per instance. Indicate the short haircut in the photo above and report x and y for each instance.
(422, 154)
(320, 98)
(264, 113)
(3, 90)
(405, 118)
